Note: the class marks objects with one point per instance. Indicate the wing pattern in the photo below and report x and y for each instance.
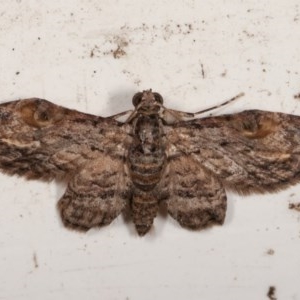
(40, 140)
(252, 151)
(196, 199)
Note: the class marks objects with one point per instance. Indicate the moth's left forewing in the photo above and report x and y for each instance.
(275, 134)
(252, 151)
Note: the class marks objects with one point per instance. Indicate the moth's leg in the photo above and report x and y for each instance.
(121, 114)
(197, 199)
(95, 196)
(171, 116)
(177, 113)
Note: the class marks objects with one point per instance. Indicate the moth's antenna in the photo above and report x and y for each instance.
(220, 105)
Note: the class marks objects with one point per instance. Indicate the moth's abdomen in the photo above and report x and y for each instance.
(146, 165)
(146, 171)
(144, 208)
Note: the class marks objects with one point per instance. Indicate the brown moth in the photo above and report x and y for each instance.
(157, 155)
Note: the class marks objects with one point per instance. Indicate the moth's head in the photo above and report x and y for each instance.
(147, 102)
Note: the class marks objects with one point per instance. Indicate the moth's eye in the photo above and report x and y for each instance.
(136, 99)
(158, 98)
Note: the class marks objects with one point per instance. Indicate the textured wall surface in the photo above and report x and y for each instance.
(92, 56)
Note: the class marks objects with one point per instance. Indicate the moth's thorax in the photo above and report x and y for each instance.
(149, 109)
(146, 157)
(147, 130)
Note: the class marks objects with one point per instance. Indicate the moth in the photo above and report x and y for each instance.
(157, 155)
